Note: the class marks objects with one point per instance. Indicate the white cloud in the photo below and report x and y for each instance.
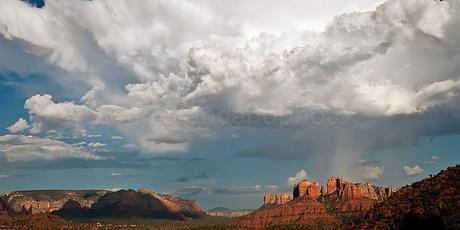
(370, 170)
(47, 115)
(117, 137)
(433, 159)
(2, 176)
(97, 145)
(184, 61)
(19, 148)
(122, 175)
(129, 146)
(19, 126)
(299, 176)
(412, 171)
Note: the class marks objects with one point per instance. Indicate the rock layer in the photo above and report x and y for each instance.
(304, 210)
(347, 190)
(50, 200)
(307, 188)
(129, 203)
(312, 204)
(225, 212)
(277, 198)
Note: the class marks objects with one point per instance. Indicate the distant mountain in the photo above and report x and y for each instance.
(130, 203)
(433, 203)
(311, 204)
(42, 201)
(226, 212)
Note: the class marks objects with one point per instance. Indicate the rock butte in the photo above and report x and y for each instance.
(277, 198)
(310, 203)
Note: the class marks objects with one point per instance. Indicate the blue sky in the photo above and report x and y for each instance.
(222, 104)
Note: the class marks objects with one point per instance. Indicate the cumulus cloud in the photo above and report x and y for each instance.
(412, 171)
(396, 65)
(19, 148)
(299, 176)
(19, 126)
(370, 170)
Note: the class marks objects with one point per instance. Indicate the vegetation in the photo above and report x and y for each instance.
(432, 203)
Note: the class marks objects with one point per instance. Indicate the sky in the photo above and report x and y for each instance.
(222, 101)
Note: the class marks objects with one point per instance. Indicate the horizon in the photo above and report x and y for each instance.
(221, 102)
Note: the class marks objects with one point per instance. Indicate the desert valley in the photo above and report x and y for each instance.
(340, 204)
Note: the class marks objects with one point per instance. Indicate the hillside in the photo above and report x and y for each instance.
(311, 204)
(42, 201)
(130, 203)
(433, 203)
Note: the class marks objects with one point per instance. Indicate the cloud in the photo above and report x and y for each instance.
(47, 115)
(96, 145)
(182, 179)
(433, 159)
(19, 126)
(129, 146)
(412, 171)
(165, 158)
(370, 170)
(166, 66)
(117, 137)
(19, 148)
(299, 176)
(122, 175)
(197, 159)
(200, 176)
(200, 190)
(3, 176)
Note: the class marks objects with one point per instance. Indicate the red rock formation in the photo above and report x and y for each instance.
(277, 198)
(50, 200)
(176, 204)
(307, 188)
(347, 190)
(312, 204)
(303, 210)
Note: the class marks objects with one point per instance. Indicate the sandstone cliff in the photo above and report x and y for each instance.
(7, 212)
(130, 203)
(347, 190)
(188, 208)
(310, 204)
(304, 210)
(50, 200)
(225, 212)
(307, 188)
(274, 199)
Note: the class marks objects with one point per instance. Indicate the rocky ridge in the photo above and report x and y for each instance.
(42, 201)
(312, 204)
(226, 212)
(271, 199)
(432, 203)
(130, 203)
